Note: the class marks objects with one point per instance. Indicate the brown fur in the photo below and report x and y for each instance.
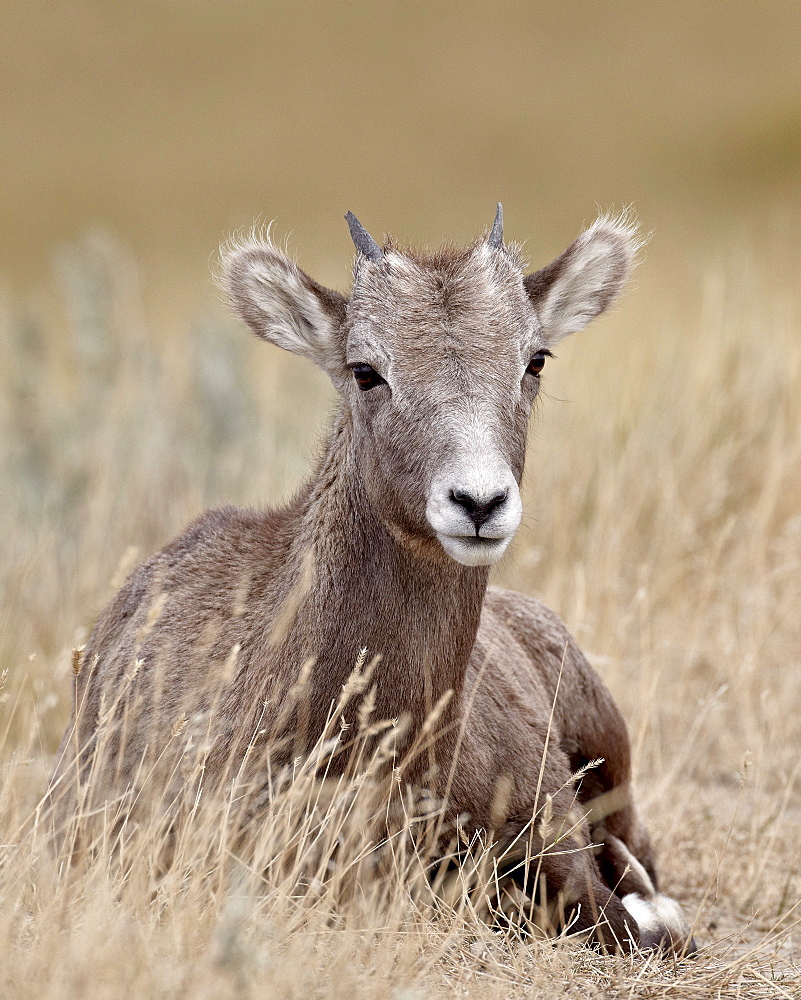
(353, 562)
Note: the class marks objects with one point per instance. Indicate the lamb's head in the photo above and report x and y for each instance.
(438, 359)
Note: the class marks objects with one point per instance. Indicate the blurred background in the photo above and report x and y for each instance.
(136, 136)
(170, 123)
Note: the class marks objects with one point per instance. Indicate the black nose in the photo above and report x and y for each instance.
(478, 510)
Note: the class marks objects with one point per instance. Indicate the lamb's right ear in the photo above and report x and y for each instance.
(282, 304)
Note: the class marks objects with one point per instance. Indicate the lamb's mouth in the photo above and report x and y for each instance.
(474, 550)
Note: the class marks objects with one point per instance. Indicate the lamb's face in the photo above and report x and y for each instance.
(445, 355)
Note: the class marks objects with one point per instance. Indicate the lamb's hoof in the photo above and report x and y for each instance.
(661, 923)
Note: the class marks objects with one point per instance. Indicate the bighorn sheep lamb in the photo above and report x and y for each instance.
(437, 359)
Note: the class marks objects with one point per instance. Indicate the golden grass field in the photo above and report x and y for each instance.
(662, 522)
(663, 486)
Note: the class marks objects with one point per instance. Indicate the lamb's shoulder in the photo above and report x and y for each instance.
(553, 670)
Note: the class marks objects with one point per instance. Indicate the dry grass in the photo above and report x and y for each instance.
(663, 524)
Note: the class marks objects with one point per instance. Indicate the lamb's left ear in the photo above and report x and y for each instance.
(282, 304)
(586, 278)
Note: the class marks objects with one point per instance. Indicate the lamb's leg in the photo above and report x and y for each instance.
(577, 901)
(616, 904)
(626, 862)
(555, 867)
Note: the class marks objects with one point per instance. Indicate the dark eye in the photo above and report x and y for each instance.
(537, 363)
(366, 377)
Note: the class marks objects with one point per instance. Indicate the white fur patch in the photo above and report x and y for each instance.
(672, 916)
(478, 469)
(644, 913)
(661, 923)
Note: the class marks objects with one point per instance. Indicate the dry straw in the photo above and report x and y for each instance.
(665, 528)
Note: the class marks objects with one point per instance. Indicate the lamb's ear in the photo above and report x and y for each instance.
(586, 278)
(282, 304)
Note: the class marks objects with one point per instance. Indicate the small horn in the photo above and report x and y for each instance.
(363, 241)
(495, 238)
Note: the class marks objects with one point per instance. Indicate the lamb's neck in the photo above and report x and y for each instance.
(369, 585)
